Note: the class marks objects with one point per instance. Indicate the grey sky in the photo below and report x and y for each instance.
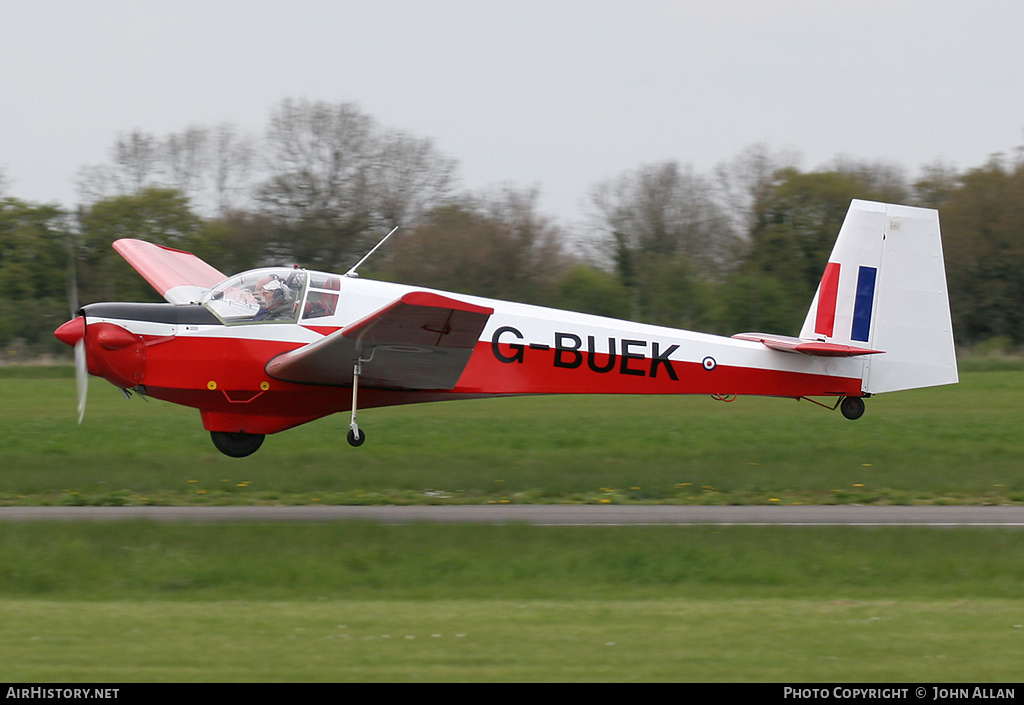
(555, 93)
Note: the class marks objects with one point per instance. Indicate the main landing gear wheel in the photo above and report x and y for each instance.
(852, 407)
(237, 445)
(353, 440)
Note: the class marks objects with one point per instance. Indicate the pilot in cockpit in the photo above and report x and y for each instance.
(274, 298)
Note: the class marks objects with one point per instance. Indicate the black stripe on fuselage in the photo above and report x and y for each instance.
(191, 314)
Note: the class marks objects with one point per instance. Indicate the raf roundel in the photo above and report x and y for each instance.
(709, 363)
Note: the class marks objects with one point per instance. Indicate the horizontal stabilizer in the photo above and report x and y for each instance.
(180, 277)
(806, 347)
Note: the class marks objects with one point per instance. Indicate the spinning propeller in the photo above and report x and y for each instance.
(81, 375)
(73, 333)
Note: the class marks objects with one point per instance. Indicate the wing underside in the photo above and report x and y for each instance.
(420, 341)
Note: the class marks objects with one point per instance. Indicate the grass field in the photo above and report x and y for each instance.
(132, 602)
(956, 444)
(141, 602)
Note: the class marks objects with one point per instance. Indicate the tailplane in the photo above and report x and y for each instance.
(884, 288)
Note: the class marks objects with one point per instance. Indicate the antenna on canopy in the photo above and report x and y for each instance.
(352, 271)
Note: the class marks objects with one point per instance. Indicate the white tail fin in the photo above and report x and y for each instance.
(885, 288)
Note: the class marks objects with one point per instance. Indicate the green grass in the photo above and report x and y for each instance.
(130, 602)
(673, 640)
(956, 444)
(341, 561)
(134, 601)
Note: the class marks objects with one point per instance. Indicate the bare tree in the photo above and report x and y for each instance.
(136, 156)
(134, 165)
(880, 180)
(409, 177)
(210, 167)
(668, 236)
(936, 184)
(233, 161)
(318, 157)
(748, 180)
(663, 210)
(492, 244)
(334, 177)
(532, 253)
(185, 157)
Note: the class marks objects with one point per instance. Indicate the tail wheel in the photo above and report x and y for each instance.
(852, 407)
(237, 445)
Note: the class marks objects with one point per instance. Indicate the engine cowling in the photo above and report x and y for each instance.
(111, 351)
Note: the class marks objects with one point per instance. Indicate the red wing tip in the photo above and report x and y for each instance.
(126, 243)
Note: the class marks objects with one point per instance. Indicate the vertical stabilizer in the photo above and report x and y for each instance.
(885, 288)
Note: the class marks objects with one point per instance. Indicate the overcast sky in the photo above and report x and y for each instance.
(560, 94)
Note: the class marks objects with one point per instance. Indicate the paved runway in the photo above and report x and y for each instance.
(549, 515)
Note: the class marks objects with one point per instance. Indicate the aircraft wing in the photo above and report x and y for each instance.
(420, 341)
(805, 347)
(180, 277)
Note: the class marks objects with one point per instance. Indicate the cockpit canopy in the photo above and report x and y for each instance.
(274, 295)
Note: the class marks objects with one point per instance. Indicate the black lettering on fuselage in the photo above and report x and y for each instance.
(518, 349)
(591, 360)
(624, 368)
(569, 353)
(659, 358)
(575, 357)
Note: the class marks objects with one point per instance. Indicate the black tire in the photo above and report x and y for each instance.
(852, 407)
(237, 445)
(356, 442)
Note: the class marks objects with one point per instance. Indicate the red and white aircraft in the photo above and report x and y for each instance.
(269, 349)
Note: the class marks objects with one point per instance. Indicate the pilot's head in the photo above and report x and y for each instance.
(271, 292)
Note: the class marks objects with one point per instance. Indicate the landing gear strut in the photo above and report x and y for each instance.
(237, 445)
(852, 407)
(356, 437)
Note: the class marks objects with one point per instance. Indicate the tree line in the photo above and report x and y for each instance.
(739, 248)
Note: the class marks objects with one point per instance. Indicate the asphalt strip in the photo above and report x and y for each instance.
(549, 515)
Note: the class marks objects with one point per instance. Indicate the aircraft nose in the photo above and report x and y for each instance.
(71, 332)
(111, 351)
